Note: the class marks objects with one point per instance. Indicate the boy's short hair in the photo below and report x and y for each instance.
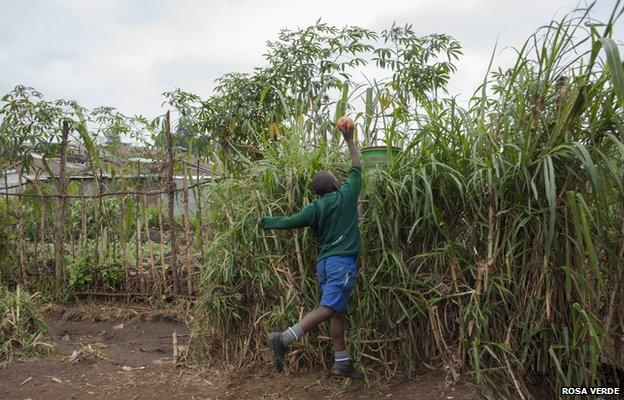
(324, 182)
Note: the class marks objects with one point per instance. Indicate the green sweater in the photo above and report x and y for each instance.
(333, 218)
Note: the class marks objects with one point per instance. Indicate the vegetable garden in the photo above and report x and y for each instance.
(492, 241)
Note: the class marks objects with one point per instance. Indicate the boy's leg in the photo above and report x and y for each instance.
(342, 363)
(315, 317)
(337, 328)
(279, 341)
(336, 277)
(309, 321)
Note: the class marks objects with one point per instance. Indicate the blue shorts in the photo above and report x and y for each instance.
(336, 277)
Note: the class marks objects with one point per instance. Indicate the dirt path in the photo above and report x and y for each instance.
(131, 359)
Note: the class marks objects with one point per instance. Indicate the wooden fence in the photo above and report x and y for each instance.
(120, 242)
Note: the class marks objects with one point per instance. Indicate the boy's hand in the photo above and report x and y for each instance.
(345, 124)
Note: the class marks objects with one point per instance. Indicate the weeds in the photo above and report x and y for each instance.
(23, 328)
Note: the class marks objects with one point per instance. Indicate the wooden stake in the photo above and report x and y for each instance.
(148, 243)
(100, 220)
(83, 218)
(172, 187)
(198, 204)
(43, 217)
(20, 231)
(188, 237)
(174, 339)
(60, 218)
(124, 245)
(72, 243)
(6, 190)
(38, 240)
(139, 252)
(161, 229)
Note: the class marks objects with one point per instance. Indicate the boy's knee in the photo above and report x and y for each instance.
(329, 313)
(340, 315)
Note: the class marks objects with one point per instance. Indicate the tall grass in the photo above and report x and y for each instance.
(22, 325)
(492, 246)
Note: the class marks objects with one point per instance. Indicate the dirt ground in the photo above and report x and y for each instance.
(124, 356)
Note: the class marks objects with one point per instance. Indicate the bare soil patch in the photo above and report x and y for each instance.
(127, 354)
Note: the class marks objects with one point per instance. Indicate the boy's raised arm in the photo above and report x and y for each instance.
(345, 124)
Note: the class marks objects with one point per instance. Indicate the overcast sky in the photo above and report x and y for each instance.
(125, 53)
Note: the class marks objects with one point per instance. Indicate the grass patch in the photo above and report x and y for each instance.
(24, 328)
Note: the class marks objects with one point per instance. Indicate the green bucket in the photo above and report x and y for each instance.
(378, 156)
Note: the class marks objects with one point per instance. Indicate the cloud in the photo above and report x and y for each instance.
(126, 53)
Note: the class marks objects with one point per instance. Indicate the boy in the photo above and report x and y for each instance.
(333, 218)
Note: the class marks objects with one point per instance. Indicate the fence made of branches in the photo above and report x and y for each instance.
(88, 228)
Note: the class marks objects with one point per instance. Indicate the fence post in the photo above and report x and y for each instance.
(6, 193)
(100, 223)
(161, 234)
(139, 227)
(6, 189)
(198, 204)
(20, 231)
(43, 217)
(148, 242)
(124, 243)
(171, 192)
(188, 236)
(83, 219)
(60, 218)
(36, 239)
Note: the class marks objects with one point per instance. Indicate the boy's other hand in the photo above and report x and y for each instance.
(251, 222)
(260, 222)
(345, 125)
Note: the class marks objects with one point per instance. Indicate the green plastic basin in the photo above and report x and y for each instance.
(378, 156)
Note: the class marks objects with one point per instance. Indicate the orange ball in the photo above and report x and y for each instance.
(345, 124)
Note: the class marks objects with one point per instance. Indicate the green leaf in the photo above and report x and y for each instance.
(615, 67)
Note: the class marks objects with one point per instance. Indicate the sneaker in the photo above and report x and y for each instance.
(279, 350)
(345, 369)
